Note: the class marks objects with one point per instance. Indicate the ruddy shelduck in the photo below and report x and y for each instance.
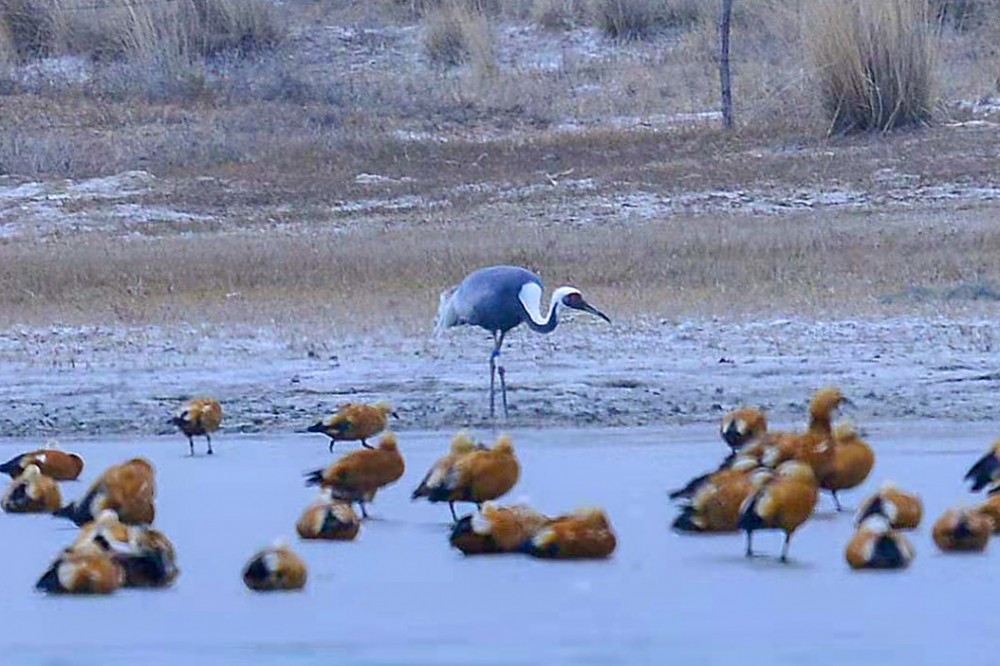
(106, 531)
(128, 488)
(876, 545)
(146, 555)
(328, 519)
(150, 561)
(745, 431)
(478, 476)
(903, 510)
(815, 446)
(32, 492)
(734, 465)
(497, 529)
(199, 417)
(53, 463)
(785, 503)
(275, 568)
(743, 426)
(716, 506)
(852, 462)
(357, 476)
(962, 530)
(986, 471)
(355, 422)
(85, 571)
(461, 444)
(991, 509)
(584, 534)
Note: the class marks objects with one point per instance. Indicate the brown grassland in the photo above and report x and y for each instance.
(339, 163)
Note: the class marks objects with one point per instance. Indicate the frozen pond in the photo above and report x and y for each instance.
(400, 595)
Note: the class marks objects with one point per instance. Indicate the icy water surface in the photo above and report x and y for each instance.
(400, 595)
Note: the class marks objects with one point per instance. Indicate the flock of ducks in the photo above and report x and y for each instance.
(772, 481)
(116, 545)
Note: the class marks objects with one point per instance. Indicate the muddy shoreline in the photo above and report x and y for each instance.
(70, 381)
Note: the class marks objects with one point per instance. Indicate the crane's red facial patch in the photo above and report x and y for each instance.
(573, 300)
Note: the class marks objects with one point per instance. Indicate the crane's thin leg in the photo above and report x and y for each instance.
(364, 514)
(784, 548)
(209, 438)
(332, 442)
(503, 377)
(497, 341)
(191, 445)
(749, 543)
(454, 516)
(836, 502)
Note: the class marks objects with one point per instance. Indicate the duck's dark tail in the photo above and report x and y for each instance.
(687, 521)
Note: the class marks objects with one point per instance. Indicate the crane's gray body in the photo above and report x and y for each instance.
(488, 298)
(495, 299)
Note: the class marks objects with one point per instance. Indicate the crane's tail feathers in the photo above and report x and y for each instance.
(446, 312)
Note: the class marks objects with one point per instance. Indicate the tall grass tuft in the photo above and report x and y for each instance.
(559, 14)
(629, 20)
(626, 19)
(456, 34)
(875, 63)
(8, 50)
(138, 29)
(964, 14)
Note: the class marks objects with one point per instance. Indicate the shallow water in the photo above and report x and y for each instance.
(400, 595)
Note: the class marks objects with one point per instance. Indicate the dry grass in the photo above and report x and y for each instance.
(455, 34)
(8, 50)
(391, 278)
(966, 14)
(497, 9)
(640, 19)
(140, 30)
(627, 19)
(353, 72)
(559, 14)
(875, 63)
(287, 132)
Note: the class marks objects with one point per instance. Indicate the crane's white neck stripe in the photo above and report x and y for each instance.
(530, 296)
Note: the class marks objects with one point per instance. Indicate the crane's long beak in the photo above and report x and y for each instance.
(587, 307)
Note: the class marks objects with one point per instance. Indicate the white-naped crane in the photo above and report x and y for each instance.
(499, 298)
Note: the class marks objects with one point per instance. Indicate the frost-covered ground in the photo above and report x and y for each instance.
(400, 595)
(104, 380)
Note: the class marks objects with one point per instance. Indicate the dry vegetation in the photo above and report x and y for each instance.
(875, 63)
(702, 266)
(261, 118)
(455, 34)
(138, 29)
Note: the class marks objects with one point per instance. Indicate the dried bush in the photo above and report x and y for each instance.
(455, 35)
(875, 63)
(559, 14)
(138, 29)
(640, 19)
